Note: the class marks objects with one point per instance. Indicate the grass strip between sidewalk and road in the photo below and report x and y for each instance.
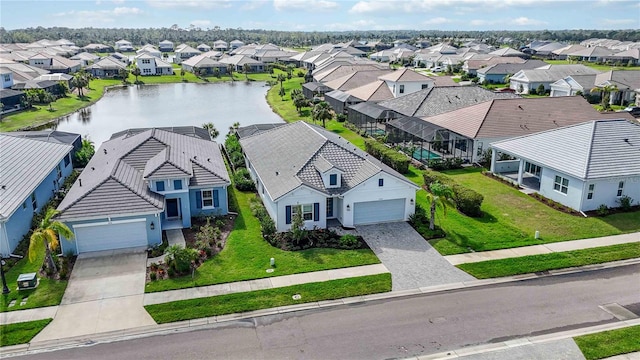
(553, 261)
(21, 333)
(268, 298)
(609, 343)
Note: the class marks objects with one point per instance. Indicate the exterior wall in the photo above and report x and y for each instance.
(185, 206)
(492, 78)
(409, 87)
(7, 80)
(223, 205)
(560, 91)
(300, 196)
(165, 70)
(153, 236)
(505, 166)
(20, 221)
(573, 196)
(606, 190)
(393, 188)
(146, 69)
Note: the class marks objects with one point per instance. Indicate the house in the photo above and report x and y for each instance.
(497, 73)
(183, 52)
(54, 63)
(272, 56)
(203, 62)
(7, 78)
(341, 70)
(220, 45)
(121, 57)
(406, 81)
(525, 80)
(50, 86)
(356, 79)
(19, 71)
(301, 168)
(38, 169)
(235, 44)
(149, 49)
(583, 166)
(165, 46)
(143, 181)
(592, 54)
(101, 48)
(85, 58)
(314, 88)
(508, 52)
(630, 56)
(372, 92)
(340, 101)
(204, 47)
(123, 45)
(151, 65)
(11, 100)
(107, 67)
(625, 83)
(573, 85)
(59, 78)
(238, 62)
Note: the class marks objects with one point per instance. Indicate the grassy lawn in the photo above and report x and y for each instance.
(49, 292)
(593, 65)
(246, 256)
(553, 261)
(511, 219)
(609, 343)
(21, 333)
(269, 298)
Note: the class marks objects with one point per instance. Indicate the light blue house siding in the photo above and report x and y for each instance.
(19, 223)
(199, 207)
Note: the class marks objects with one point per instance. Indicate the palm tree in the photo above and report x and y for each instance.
(49, 99)
(47, 233)
(246, 69)
(136, 72)
(322, 111)
(123, 73)
(281, 79)
(230, 69)
(182, 73)
(439, 193)
(213, 132)
(606, 94)
(80, 80)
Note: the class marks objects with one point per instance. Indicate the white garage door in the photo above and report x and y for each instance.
(378, 211)
(117, 235)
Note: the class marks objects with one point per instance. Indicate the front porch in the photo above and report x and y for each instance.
(519, 171)
(171, 224)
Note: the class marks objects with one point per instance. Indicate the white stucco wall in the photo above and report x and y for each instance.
(409, 87)
(573, 196)
(606, 190)
(301, 196)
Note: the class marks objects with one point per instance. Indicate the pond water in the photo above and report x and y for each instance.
(172, 105)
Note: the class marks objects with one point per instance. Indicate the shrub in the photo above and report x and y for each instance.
(348, 241)
(179, 259)
(431, 176)
(205, 234)
(541, 89)
(446, 164)
(626, 202)
(467, 201)
(153, 276)
(603, 210)
(242, 180)
(390, 157)
(341, 118)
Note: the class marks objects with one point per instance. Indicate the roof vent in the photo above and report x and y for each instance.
(105, 151)
(625, 140)
(208, 159)
(195, 157)
(3, 187)
(80, 182)
(520, 107)
(92, 168)
(277, 173)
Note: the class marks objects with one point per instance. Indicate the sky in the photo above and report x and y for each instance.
(325, 15)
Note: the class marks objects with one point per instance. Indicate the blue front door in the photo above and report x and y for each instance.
(173, 208)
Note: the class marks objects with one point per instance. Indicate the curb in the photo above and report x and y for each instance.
(221, 320)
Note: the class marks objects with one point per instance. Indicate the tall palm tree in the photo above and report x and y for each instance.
(230, 69)
(47, 233)
(281, 79)
(439, 193)
(321, 112)
(606, 91)
(233, 128)
(136, 72)
(80, 80)
(246, 69)
(213, 132)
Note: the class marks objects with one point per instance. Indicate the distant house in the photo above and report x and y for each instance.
(312, 89)
(7, 78)
(94, 48)
(203, 62)
(58, 78)
(183, 52)
(11, 100)
(507, 51)
(573, 85)
(356, 79)
(372, 92)
(204, 47)
(235, 44)
(149, 49)
(625, 82)
(583, 166)
(271, 56)
(340, 100)
(165, 46)
(107, 67)
(497, 73)
(143, 181)
(121, 57)
(85, 58)
(238, 61)
(54, 63)
(123, 45)
(220, 45)
(151, 65)
(303, 169)
(525, 80)
(406, 81)
(37, 170)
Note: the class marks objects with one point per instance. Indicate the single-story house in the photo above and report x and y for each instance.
(582, 166)
(571, 85)
(373, 92)
(107, 67)
(302, 168)
(525, 80)
(141, 182)
(85, 58)
(271, 56)
(151, 65)
(508, 52)
(356, 79)
(11, 99)
(314, 88)
(165, 46)
(625, 83)
(59, 77)
(37, 170)
(340, 101)
(238, 61)
(497, 73)
(50, 86)
(204, 47)
(203, 62)
(236, 44)
(93, 48)
(219, 45)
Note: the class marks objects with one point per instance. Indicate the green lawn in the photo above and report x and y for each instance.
(511, 219)
(593, 65)
(49, 292)
(553, 261)
(269, 298)
(246, 256)
(21, 333)
(609, 343)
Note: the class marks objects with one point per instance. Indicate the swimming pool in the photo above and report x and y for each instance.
(424, 154)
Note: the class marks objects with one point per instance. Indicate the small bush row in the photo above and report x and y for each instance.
(234, 151)
(242, 180)
(445, 164)
(467, 200)
(390, 157)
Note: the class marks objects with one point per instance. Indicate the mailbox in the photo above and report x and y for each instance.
(27, 281)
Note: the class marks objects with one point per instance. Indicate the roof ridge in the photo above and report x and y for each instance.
(593, 131)
(486, 114)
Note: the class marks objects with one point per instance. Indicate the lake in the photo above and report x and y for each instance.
(172, 105)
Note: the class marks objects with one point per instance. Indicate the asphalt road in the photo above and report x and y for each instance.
(395, 328)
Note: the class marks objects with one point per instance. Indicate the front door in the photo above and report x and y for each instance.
(173, 208)
(329, 208)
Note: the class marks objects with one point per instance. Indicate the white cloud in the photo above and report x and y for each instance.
(117, 1)
(352, 25)
(197, 4)
(524, 21)
(88, 17)
(478, 22)
(413, 6)
(619, 21)
(253, 5)
(308, 5)
(126, 11)
(200, 23)
(436, 21)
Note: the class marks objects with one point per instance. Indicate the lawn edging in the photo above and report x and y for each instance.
(21, 333)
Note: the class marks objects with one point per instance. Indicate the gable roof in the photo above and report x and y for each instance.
(501, 118)
(355, 79)
(374, 91)
(590, 150)
(507, 51)
(307, 148)
(511, 68)
(623, 80)
(552, 73)
(25, 163)
(113, 182)
(342, 70)
(405, 74)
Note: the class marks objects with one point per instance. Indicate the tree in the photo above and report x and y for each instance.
(182, 73)
(233, 128)
(63, 88)
(230, 69)
(246, 69)
(47, 234)
(48, 99)
(321, 112)
(213, 132)
(606, 94)
(82, 156)
(541, 90)
(298, 231)
(216, 72)
(80, 81)
(123, 74)
(281, 79)
(438, 193)
(136, 72)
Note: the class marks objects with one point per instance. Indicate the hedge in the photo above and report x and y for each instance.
(390, 157)
(467, 200)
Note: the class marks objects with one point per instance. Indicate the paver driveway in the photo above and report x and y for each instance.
(412, 261)
(104, 293)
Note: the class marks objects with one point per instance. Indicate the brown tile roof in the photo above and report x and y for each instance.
(375, 91)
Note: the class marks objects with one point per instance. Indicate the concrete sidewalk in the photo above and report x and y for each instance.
(17, 316)
(260, 284)
(543, 249)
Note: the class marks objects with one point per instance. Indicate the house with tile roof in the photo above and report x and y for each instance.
(38, 168)
(525, 80)
(143, 181)
(151, 65)
(302, 168)
(356, 79)
(571, 85)
(582, 166)
(625, 82)
(107, 67)
(496, 73)
(406, 81)
(204, 63)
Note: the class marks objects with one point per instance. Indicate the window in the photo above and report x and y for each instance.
(561, 184)
(424, 86)
(380, 182)
(34, 202)
(307, 212)
(67, 160)
(207, 198)
(58, 172)
(590, 193)
(532, 169)
(146, 71)
(177, 184)
(7, 78)
(333, 180)
(146, 61)
(401, 89)
(160, 185)
(620, 188)
(24, 205)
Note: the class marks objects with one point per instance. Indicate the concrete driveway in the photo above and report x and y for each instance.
(412, 261)
(105, 293)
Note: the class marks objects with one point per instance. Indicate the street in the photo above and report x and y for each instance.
(395, 328)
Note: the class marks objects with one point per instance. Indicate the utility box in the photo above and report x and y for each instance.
(27, 281)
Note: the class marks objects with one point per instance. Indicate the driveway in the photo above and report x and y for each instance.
(104, 293)
(412, 261)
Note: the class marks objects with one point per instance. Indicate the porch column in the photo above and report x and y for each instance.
(520, 171)
(494, 156)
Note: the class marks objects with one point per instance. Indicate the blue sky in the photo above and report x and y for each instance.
(334, 15)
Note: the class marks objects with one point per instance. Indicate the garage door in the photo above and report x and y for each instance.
(378, 211)
(117, 235)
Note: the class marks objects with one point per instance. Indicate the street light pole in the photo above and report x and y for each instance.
(5, 288)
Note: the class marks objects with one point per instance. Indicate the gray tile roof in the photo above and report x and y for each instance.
(552, 73)
(623, 79)
(511, 68)
(590, 150)
(289, 156)
(114, 181)
(245, 131)
(24, 164)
